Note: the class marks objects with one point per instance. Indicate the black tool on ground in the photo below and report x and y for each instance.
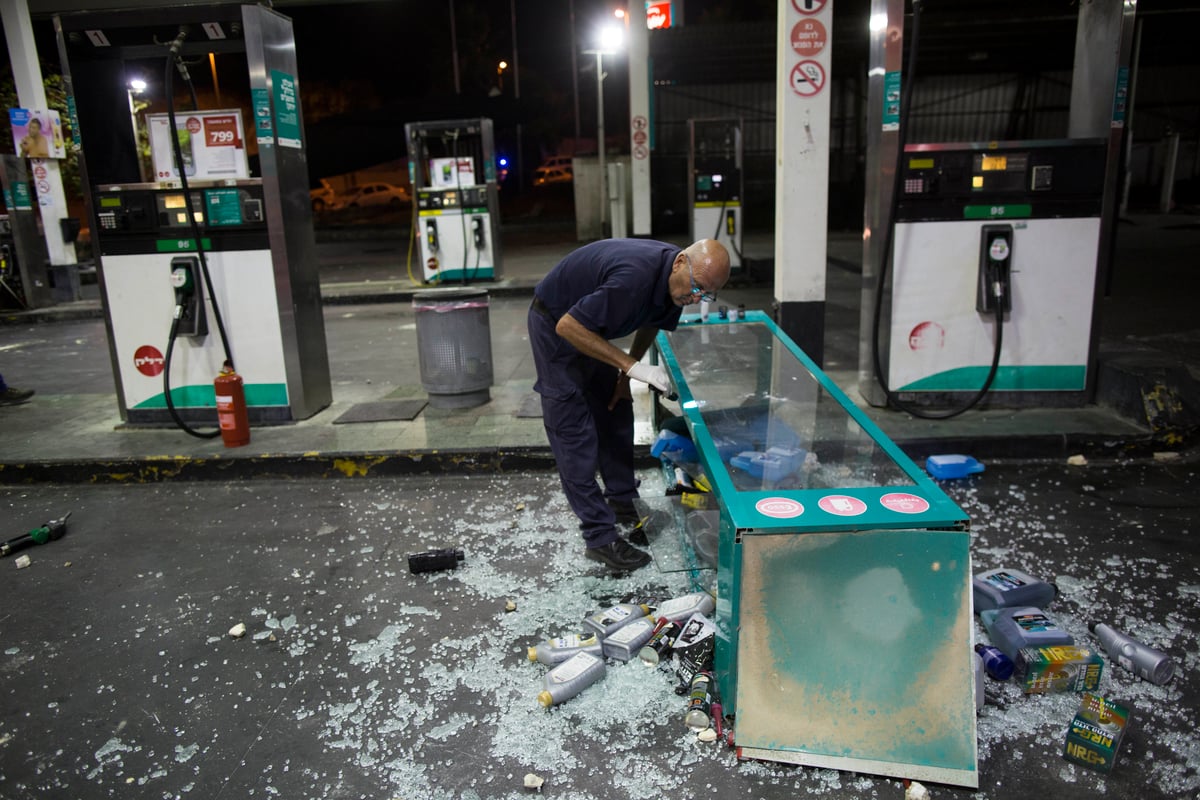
(435, 560)
(54, 529)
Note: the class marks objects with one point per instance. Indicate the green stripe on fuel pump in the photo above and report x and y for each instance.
(998, 212)
(181, 245)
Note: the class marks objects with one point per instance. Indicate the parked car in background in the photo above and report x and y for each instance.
(558, 162)
(547, 175)
(322, 197)
(373, 194)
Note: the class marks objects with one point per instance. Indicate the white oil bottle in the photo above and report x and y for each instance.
(678, 609)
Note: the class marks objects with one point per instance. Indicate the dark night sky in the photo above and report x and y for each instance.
(407, 43)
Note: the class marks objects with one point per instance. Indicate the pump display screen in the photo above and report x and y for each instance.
(173, 211)
(990, 163)
(110, 202)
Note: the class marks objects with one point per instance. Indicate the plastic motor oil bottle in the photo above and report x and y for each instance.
(570, 678)
(629, 639)
(1009, 588)
(678, 609)
(607, 622)
(553, 652)
(1011, 629)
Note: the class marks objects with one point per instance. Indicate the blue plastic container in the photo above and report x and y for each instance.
(950, 466)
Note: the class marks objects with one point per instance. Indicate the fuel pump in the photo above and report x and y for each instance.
(208, 254)
(11, 295)
(24, 279)
(453, 171)
(715, 189)
(988, 269)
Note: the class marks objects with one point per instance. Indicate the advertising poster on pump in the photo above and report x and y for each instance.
(212, 143)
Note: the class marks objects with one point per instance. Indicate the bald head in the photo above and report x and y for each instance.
(710, 263)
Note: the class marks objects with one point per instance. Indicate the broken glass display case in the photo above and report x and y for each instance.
(842, 571)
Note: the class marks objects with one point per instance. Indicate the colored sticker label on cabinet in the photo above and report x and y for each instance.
(779, 507)
(904, 503)
(841, 505)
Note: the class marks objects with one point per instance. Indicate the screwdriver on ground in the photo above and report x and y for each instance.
(54, 529)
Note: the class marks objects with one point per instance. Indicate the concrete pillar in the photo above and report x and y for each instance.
(639, 117)
(802, 169)
(31, 92)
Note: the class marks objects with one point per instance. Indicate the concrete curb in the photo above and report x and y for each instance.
(342, 465)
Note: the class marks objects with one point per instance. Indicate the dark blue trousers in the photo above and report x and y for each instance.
(584, 435)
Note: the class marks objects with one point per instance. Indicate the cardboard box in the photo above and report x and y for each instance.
(1095, 733)
(1061, 668)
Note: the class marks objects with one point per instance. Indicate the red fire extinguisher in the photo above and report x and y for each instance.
(231, 408)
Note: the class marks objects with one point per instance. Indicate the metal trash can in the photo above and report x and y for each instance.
(454, 346)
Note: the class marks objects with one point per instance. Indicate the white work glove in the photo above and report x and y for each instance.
(655, 376)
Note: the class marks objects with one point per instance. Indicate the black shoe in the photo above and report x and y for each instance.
(11, 396)
(619, 555)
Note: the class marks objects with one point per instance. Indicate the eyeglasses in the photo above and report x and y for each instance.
(708, 297)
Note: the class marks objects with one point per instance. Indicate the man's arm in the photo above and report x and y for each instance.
(595, 346)
(641, 342)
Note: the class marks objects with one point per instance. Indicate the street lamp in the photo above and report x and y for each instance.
(610, 40)
(503, 65)
(136, 86)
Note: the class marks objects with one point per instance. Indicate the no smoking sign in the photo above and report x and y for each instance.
(807, 78)
(808, 6)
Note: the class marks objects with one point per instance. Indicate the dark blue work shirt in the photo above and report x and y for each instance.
(613, 287)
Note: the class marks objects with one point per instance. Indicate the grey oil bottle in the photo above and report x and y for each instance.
(570, 678)
(553, 652)
(607, 622)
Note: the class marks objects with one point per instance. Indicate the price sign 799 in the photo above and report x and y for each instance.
(221, 131)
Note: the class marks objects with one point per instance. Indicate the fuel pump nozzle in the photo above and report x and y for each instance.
(994, 293)
(52, 530)
(189, 308)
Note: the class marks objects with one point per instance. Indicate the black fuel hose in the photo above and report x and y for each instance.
(169, 88)
(893, 400)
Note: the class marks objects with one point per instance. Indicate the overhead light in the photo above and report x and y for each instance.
(610, 38)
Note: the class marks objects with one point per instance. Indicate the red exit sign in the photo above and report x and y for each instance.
(658, 15)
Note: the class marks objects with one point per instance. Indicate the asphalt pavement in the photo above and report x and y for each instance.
(357, 679)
